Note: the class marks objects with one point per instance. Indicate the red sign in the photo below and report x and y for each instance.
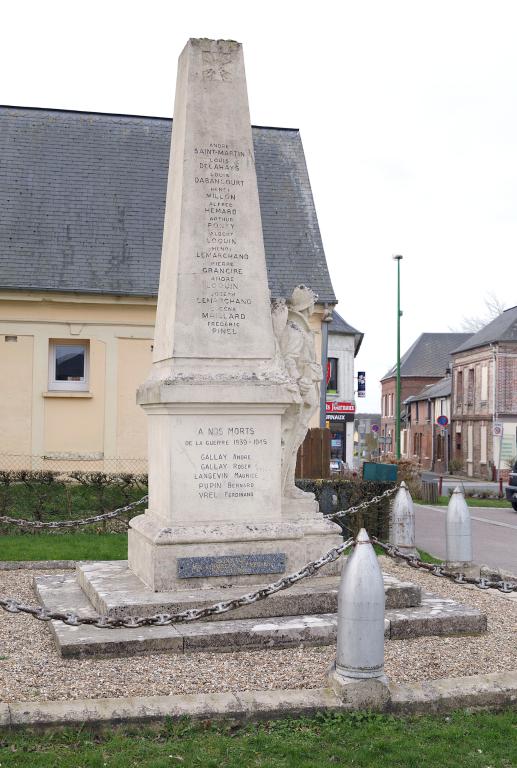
(337, 407)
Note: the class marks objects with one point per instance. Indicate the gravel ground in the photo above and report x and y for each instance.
(30, 667)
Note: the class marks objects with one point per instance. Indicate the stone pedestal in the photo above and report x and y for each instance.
(216, 513)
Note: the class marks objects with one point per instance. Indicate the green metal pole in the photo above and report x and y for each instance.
(397, 405)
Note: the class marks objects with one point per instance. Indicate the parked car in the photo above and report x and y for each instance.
(338, 467)
(511, 488)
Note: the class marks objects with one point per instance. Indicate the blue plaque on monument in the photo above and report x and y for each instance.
(230, 565)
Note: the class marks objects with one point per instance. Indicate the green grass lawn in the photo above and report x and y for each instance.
(444, 500)
(85, 546)
(64, 546)
(461, 740)
(425, 556)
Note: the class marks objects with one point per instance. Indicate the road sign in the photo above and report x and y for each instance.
(442, 420)
(375, 427)
(498, 428)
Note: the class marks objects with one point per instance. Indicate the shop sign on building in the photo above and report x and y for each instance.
(337, 410)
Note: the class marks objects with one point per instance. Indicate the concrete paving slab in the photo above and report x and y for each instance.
(435, 616)
(258, 705)
(492, 691)
(141, 709)
(115, 591)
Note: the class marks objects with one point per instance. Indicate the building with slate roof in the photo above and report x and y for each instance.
(83, 201)
(484, 399)
(424, 363)
(344, 342)
(82, 198)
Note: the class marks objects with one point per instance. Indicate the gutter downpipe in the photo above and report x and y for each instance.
(325, 320)
(432, 432)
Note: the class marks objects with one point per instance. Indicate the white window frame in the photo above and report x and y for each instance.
(68, 386)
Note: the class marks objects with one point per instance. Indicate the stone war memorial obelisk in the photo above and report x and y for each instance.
(216, 393)
(223, 403)
(233, 385)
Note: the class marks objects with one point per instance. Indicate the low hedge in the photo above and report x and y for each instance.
(341, 494)
(49, 496)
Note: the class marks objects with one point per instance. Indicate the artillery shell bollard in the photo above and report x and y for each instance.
(402, 521)
(458, 536)
(357, 676)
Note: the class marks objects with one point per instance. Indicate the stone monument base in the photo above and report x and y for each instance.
(218, 555)
(304, 614)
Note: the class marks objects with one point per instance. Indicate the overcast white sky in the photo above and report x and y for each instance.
(407, 112)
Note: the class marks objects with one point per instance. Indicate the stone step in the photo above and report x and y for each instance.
(115, 591)
(434, 616)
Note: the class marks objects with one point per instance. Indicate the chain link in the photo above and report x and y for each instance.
(38, 524)
(480, 582)
(363, 505)
(11, 605)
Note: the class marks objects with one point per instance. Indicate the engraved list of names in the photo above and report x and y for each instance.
(223, 303)
(222, 291)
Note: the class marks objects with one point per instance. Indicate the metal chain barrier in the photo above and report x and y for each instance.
(11, 605)
(38, 524)
(363, 505)
(437, 570)
(193, 614)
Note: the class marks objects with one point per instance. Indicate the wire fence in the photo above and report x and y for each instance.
(67, 463)
(67, 490)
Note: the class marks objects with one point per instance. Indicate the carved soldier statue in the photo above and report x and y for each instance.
(295, 347)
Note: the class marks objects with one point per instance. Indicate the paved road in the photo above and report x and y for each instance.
(463, 482)
(494, 534)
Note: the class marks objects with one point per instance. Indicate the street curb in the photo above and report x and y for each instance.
(493, 691)
(43, 565)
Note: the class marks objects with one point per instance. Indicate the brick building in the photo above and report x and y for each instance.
(426, 441)
(425, 362)
(484, 400)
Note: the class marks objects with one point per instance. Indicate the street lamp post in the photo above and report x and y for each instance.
(399, 315)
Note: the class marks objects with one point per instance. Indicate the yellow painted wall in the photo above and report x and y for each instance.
(134, 364)
(16, 395)
(75, 424)
(103, 423)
